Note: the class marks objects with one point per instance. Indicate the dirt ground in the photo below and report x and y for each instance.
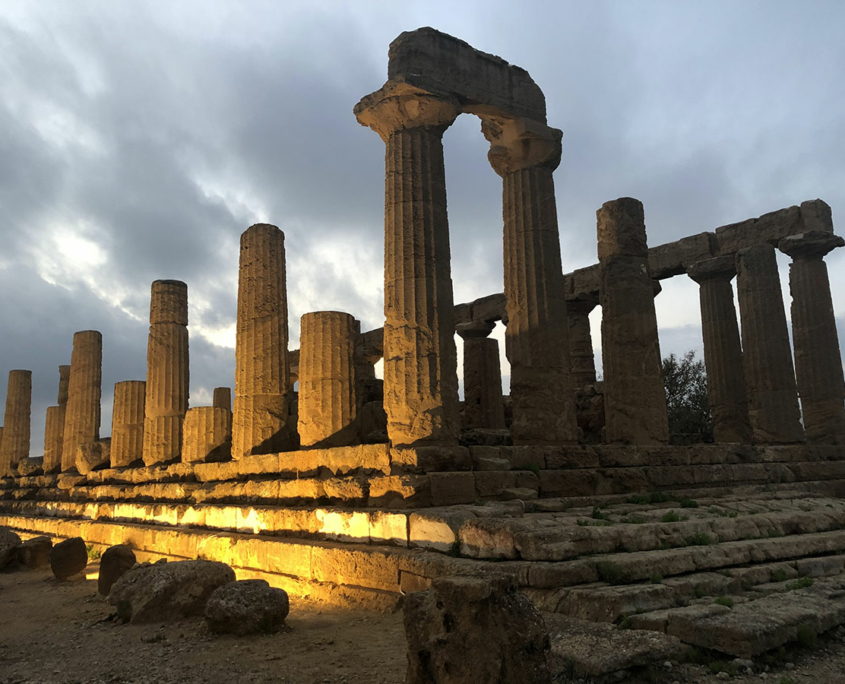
(54, 633)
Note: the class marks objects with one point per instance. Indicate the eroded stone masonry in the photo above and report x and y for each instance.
(334, 484)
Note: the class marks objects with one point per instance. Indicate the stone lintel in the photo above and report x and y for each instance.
(772, 227)
(813, 244)
(674, 258)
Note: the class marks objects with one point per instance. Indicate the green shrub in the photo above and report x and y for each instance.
(699, 539)
(806, 635)
(670, 517)
(725, 601)
(656, 578)
(689, 503)
(802, 583)
(779, 575)
(93, 554)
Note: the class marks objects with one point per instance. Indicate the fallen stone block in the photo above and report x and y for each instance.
(9, 545)
(68, 558)
(35, 552)
(246, 607)
(115, 562)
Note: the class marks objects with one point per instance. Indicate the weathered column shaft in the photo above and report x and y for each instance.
(484, 406)
(260, 419)
(581, 342)
(222, 398)
(82, 416)
(420, 358)
(206, 434)
(15, 444)
(128, 418)
(722, 349)
(634, 396)
(328, 404)
(54, 426)
(525, 154)
(168, 374)
(64, 379)
(769, 376)
(818, 363)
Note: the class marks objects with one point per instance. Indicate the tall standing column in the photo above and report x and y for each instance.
(484, 406)
(168, 375)
(722, 349)
(525, 153)
(54, 426)
(634, 396)
(581, 341)
(328, 404)
(222, 398)
(769, 375)
(420, 358)
(15, 444)
(818, 364)
(82, 417)
(127, 425)
(260, 419)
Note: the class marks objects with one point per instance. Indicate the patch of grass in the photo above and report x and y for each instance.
(455, 549)
(611, 572)
(633, 520)
(773, 533)
(93, 554)
(806, 635)
(689, 503)
(583, 522)
(625, 622)
(802, 583)
(670, 517)
(656, 579)
(725, 601)
(779, 575)
(698, 592)
(651, 498)
(699, 539)
(599, 514)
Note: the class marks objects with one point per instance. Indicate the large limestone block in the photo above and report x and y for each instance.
(246, 607)
(474, 630)
(35, 552)
(115, 562)
(68, 558)
(206, 435)
(93, 456)
(10, 543)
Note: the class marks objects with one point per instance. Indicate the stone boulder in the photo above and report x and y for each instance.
(467, 630)
(115, 562)
(68, 558)
(246, 607)
(168, 591)
(27, 467)
(35, 552)
(10, 543)
(93, 456)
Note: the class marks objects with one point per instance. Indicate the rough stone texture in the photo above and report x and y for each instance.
(115, 562)
(168, 591)
(483, 403)
(581, 353)
(474, 630)
(10, 544)
(420, 359)
(222, 398)
(93, 456)
(53, 428)
(82, 416)
(722, 349)
(674, 258)
(634, 397)
(769, 376)
(818, 363)
(260, 419)
(246, 607)
(328, 403)
(206, 435)
(127, 431)
(15, 443)
(525, 154)
(69, 557)
(30, 466)
(772, 227)
(35, 552)
(168, 374)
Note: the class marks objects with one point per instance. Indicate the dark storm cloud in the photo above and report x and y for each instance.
(138, 140)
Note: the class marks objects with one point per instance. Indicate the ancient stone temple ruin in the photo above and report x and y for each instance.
(333, 484)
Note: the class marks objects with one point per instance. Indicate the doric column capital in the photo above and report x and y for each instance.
(717, 268)
(813, 244)
(398, 106)
(475, 329)
(517, 144)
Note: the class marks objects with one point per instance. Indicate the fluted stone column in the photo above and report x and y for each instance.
(168, 374)
(260, 419)
(222, 398)
(15, 444)
(82, 416)
(484, 406)
(525, 154)
(769, 376)
(206, 434)
(420, 358)
(54, 426)
(818, 364)
(328, 404)
(127, 427)
(581, 341)
(722, 349)
(634, 396)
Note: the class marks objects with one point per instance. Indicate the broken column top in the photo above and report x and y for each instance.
(723, 267)
(814, 243)
(440, 64)
(169, 302)
(621, 229)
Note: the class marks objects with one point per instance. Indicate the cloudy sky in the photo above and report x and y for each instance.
(139, 139)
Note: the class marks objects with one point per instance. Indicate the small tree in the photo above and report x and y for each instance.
(685, 381)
